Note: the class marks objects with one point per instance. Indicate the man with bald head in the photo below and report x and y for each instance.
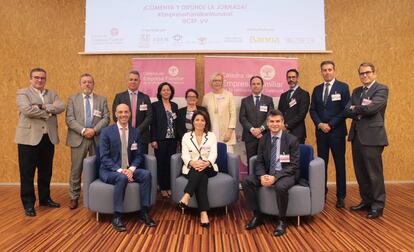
(122, 162)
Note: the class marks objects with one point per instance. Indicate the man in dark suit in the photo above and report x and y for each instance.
(121, 163)
(327, 111)
(277, 166)
(86, 114)
(252, 116)
(139, 105)
(367, 108)
(294, 104)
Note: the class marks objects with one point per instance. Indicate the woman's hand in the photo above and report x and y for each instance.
(227, 136)
(154, 145)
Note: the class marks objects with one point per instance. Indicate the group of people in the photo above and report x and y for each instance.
(273, 135)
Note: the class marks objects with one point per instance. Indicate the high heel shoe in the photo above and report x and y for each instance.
(182, 205)
(205, 224)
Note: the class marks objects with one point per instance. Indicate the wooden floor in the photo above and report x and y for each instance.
(332, 230)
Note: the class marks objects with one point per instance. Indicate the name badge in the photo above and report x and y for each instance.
(143, 107)
(97, 113)
(134, 146)
(284, 158)
(205, 148)
(292, 103)
(219, 98)
(263, 108)
(174, 116)
(336, 97)
(366, 102)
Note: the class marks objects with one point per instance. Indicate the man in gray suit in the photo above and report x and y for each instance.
(367, 108)
(253, 114)
(36, 135)
(86, 114)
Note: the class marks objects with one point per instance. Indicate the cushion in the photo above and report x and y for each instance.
(97, 159)
(221, 160)
(306, 156)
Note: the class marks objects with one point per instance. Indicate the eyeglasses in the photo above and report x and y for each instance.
(39, 78)
(365, 73)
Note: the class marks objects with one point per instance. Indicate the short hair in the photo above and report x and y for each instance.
(292, 70)
(134, 72)
(256, 77)
(206, 117)
(191, 90)
(216, 74)
(87, 75)
(367, 64)
(36, 69)
(159, 96)
(328, 62)
(275, 112)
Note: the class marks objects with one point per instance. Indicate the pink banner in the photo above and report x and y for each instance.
(238, 70)
(179, 72)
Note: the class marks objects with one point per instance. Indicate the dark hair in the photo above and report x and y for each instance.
(367, 64)
(87, 75)
(134, 72)
(328, 62)
(206, 117)
(275, 112)
(292, 70)
(258, 77)
(191, 90)
(37, 69)
(159, 96)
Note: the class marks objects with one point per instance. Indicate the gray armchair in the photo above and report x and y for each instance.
(223, 189)
(305, 198)
(98, 196)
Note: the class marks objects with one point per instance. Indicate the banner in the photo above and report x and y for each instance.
(237, 72)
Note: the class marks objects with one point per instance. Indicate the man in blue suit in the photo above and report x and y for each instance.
(121, 160)
(327, 111)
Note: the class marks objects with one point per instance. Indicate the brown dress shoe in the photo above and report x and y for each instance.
(73, 204)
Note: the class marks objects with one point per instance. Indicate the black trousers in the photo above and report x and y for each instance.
(166, 149)
(251, 185)
(336, 144)
(31, 157)
(198, 184)
(251, 150)
(369, 173)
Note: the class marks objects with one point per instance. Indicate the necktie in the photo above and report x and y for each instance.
(133, 108)
(273, 155)
(290, 93)
(124, 153)
(88, 119)
(363, 93)
(257, 101)
(326, 93)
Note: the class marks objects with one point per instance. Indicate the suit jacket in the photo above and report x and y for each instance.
(333, 112)
(368, 119)
(226, 117)
(192, 151)
(289, 145)
(75, 118)
(143, 117)
(33, 120)
(110, 149)
(249, 117)
(159, 122)
(295, 115)
(181, 129)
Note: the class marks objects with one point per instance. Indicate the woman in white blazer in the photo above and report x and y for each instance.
(222, 110)
(199, 153)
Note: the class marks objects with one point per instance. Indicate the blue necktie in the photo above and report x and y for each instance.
(273, 155)
(257, 103)
(326, 93)
(88, 121)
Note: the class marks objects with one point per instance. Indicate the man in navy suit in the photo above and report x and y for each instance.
(121, 161)
(327, 111)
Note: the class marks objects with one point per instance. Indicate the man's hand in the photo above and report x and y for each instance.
(129, 174)
(267, 180)
(324, 127)
(256, 131)
(154, 145)
(89, 133)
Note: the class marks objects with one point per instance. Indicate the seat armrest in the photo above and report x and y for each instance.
(151, 165)
(89, 174)
(317, 184)
(233, 168)
(176, 167)
(251, 164)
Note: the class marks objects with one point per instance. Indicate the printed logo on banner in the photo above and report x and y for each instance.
(267, 72)
(173, 71)
(114, 31)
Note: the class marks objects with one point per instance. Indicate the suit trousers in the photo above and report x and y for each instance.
(166, 148)
(31, 157)
(198, 184)
(86, 147)
(369, 173)
(336, 144)
(251, 150)
(251, 185)
(120, 181)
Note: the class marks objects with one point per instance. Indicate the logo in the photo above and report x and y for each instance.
(114, 32)
(173, 71)
(202, 40)
(267, 72)
(177, 37)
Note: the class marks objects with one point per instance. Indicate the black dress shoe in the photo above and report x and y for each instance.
(30, 211)
(182, 205)
(147, 220)
(280, 228)
(205, 224)
(375, 213)
(50, 203)
(340, 203)
(360, 207)
(118, 225)
(254, 223)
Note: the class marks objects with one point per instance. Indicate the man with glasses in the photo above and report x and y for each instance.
(36, 135)
(367, 134)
